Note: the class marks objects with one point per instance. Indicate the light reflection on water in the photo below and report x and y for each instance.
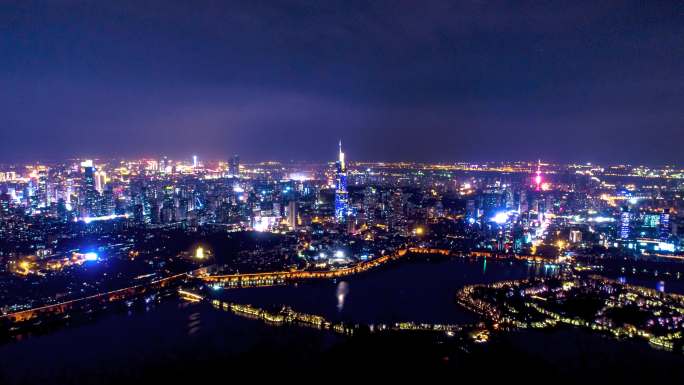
(342, 291)
(194, 322)
(413, 290)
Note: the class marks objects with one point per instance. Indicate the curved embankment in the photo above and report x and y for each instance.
(252, 279)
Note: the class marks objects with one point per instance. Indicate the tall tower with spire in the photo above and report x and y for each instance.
(341, 193)
(538, 177)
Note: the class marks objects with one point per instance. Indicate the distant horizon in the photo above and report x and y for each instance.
(188, 159)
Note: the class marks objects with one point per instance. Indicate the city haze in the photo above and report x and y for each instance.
(468, 81)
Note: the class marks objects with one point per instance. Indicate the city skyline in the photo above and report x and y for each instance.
(519, 246)
(195, 157)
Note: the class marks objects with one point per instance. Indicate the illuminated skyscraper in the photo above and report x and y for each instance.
(538, 177)
(292, 214)
(168, 209)
(341, 194)
(5, 200)
(100, 181)
(665, 225)
(89, 191)
(624, 224)
(42, 195)
(471, 211)
(575, 236)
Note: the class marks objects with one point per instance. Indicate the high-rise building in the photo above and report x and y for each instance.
(538, 177)
(575, 236)
(5, 200)
(623, 232)
(107, 201)
(42, 196)
(341, 194)
(292, 213)
(155, 212)
(664, 225)
(168, 209)
(471, 211)
(523, 204)
(89, 191)
(235, 165)
(100, 181)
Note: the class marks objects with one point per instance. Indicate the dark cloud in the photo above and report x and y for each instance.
(599, 81)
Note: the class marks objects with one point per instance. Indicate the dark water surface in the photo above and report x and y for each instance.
(419, 290)
(174, 337)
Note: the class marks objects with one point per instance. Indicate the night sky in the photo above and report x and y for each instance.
(399, 80)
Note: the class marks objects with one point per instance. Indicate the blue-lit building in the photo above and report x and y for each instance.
(664, 225)
(90, 195)
(341, 193)
(235, 166)
(623, 231)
